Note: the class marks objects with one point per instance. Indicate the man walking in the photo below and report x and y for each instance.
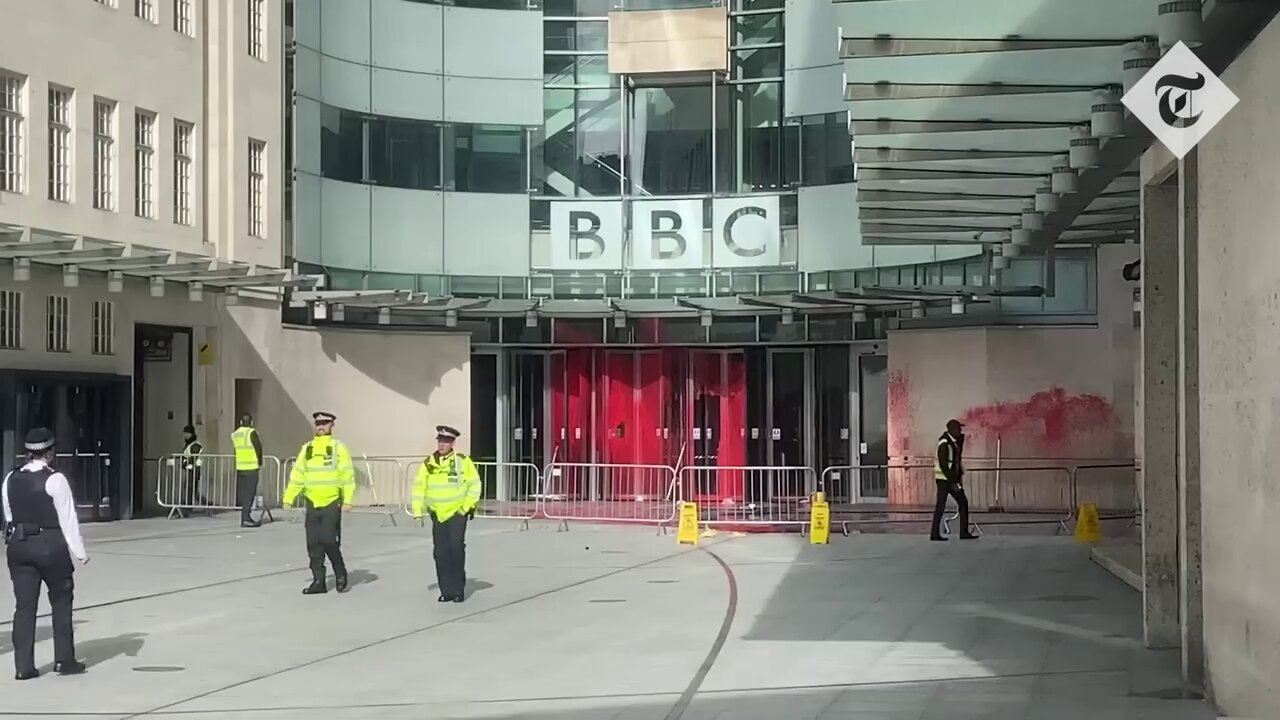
(448, 489)
(948, 474)
(42, 534)
(248, 450)
(326, 479)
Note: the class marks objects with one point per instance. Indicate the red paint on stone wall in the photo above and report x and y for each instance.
(1050, 418)
(902, 407)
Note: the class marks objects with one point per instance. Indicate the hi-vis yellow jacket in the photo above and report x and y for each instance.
(446, 486)
(322, 473)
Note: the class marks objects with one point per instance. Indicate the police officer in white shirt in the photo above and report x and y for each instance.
(42, 534)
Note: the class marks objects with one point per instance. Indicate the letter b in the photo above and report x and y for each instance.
(577, 235)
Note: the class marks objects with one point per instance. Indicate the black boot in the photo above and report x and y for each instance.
(937, 538)
(26, 675)
(341, 583)
(69, 667)
(444, 598)
(317, 587)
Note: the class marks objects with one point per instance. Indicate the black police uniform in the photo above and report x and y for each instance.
(37, 553)
(950, 460)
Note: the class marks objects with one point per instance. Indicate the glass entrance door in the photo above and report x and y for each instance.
(790, 408)
(89, 418)
(873, 456)
(527, 439)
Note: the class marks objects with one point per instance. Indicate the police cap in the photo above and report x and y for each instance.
(444, 432)
(38, 439)
(323, 417)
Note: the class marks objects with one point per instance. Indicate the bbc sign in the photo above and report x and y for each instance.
(746, 232)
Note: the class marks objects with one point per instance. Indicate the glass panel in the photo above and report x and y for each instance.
(599, 136)
(827, 150)
(787, 392)
(1070, 287)
(341, 144)
(404, 153)
(873, 419)
(1022, 272)
(484, 421)
(670, 140)
(758, 29)
(489, 158)
(759, 63)
(759, 109)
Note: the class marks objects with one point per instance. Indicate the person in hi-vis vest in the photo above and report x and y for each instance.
(248, 449)
(448, 489)
(948, 474)
(324, 476)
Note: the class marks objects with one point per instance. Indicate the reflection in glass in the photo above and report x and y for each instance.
(404, 153)
(488, 158)
(670, 140)
(827, 149)
(341, 144)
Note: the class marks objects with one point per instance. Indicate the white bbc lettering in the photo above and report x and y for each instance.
(746, 232)
(586, 235)
(666, 234)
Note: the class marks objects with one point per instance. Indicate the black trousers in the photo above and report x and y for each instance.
(42, 558)
(955, 490)
(450, 552)
(324, 539)
(246, 491)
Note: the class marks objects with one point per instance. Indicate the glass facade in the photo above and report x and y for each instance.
(498, 148)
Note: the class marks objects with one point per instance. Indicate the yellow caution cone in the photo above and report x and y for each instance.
(687, 530)
(1088, 527)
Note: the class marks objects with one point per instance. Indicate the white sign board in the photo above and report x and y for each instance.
(666, 234)
(745, 232)
(586, 235)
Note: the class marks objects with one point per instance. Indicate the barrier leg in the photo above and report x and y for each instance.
(563, 526)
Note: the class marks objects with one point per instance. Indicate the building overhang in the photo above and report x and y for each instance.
(1000, 123)
(24, 246)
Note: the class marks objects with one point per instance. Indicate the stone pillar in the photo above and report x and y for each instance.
(1190, 585)
(1160, 275)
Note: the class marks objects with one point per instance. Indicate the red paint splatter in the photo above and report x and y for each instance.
(902, 408)
(1052, 416)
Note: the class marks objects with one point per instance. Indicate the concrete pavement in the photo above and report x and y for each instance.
(195, 618)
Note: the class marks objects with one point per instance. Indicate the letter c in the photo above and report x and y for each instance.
(730, 243)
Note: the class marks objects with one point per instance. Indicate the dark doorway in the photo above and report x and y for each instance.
(873, 394)
(484, 404)
(89, 415)
(162, 388)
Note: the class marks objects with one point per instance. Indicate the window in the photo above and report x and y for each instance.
(104, 154)
(257, 187)
(144, 155)
(57, 323)
(183, 159)
(60, 144)
(104, 327)
(258, 29)
(10, 320)
(182, 21)
(145, 9)
(404, 154)
(489, 158)
(11, 140)
(342, 145)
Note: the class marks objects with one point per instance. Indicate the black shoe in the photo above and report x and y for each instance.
(444, 598)
(937, 538)
(458, 598)
(317, 587)
(250, 524)
(69, 667)
(26, 675)
(341, 584)
(968, 536)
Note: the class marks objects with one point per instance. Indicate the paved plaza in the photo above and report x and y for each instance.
(197, 619)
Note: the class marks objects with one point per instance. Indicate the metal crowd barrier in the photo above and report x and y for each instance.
(509, 491)
(749, 495)
(380, 488)
(210, 484)
(1112, 487)
(609, 492)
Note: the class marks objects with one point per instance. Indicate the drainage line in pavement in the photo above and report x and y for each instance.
(433, 626)
(731, 609)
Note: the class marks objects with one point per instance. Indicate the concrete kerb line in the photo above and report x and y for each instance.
(427, 628)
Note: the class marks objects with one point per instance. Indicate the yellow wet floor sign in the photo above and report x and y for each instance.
(1088, 528)
(687, 530)
(819, 521)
